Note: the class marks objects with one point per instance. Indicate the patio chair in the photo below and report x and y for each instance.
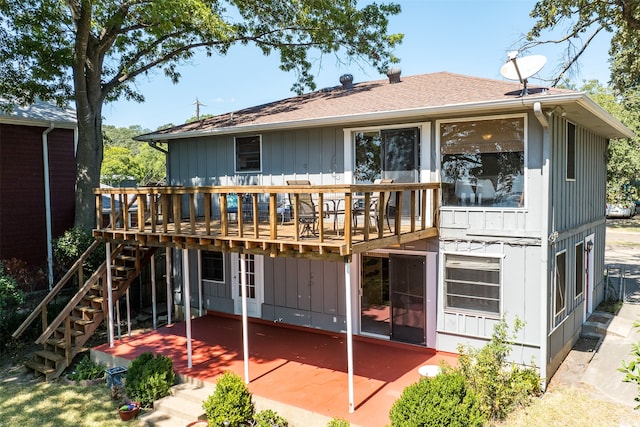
(373, 213)
(485, 191)
(464, 191)
(306, 209)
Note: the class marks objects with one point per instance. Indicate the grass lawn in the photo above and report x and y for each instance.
(572, 406)
(57, 404)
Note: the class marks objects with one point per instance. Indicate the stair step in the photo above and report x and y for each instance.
(126, 258)
(39, 367)
(93, 298)
(81, 321)
(74, 333)
(57, 342)
(85, 309)
(49, 355)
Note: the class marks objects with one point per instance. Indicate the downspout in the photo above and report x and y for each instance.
(544, 258)
(47, 201)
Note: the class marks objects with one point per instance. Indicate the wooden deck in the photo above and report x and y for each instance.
(269, 219)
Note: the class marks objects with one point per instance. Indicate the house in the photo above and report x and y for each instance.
(440, 203)
(37, 180)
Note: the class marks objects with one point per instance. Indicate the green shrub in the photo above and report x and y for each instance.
(11, 298)
(631, 370)
(443, 400)
(68, 248)
(149, 378)
(338, 422)
(269, 418)
(500, 385)
(86, 369)
(230, 402)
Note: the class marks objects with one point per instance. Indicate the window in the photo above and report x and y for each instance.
(212, 266)
(248, 153)
(571, 151)
(387, 153)
(250, 273)
(560, 283)
(482, 162)
(579, 269)
(472, 283)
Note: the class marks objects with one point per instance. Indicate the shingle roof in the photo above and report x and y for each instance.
(419, 92)
(40, 112)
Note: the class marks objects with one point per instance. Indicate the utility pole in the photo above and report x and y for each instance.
(198, 104)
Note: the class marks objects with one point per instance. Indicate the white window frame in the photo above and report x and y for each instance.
(438, 171)
(486, 314)
(235, 154)
(425, 148)
(558, 314)
(575, 154)
(582, 269)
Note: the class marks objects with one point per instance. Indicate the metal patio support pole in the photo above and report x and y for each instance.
(154, 297)
(245, 319)
(187, 302)
(168, 277)
(109, 293)
(118, 319)
(200, 313)
(347, 286)
(128, 297)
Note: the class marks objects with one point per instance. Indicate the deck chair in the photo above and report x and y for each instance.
(307, 215)
(464, 192)
(485, 191)
(373, 213)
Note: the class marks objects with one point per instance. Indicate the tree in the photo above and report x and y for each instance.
(93, 51)
(583, 21)
(623, 155)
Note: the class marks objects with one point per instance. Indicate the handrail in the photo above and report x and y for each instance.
(54, 291)
(72, 303)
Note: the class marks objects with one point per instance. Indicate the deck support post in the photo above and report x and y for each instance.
(347, 283)
(168, 277)
(187, 303)
(109, 285)
(245, 319)
(154, 297)
(118, 319)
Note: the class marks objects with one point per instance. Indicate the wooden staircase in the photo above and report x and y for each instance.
(67, 334)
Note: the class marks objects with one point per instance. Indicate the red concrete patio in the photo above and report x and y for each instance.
(300, 367)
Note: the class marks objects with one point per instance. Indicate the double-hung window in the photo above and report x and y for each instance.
(248, 150)
(482, 161)
(212, 264)
(472, 283)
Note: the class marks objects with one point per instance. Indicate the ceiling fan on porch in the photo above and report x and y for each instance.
(522, 68)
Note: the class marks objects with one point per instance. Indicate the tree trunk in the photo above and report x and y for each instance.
(88, 162)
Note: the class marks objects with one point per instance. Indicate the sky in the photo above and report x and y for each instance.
(469, 37)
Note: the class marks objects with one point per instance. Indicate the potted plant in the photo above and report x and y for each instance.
(129, 411)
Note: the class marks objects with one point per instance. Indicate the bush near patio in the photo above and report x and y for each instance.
(149, 378)
(485, 387)
(231, 405)
(444, 400)
(11, 298)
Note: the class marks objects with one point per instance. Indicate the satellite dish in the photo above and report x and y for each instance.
(522, 68)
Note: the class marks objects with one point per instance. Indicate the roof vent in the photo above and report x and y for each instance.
(347, 81)
(394, 74)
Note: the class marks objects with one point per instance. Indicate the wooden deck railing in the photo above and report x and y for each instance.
(347, 218)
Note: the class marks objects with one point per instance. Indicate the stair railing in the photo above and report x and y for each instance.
(41, 309)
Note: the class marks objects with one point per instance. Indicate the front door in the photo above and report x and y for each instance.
(255, 283)
(392, 302)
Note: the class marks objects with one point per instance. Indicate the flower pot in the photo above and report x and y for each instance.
(130, 413)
